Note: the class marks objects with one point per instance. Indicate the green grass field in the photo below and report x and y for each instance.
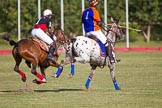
(138, 74)
(5, 45)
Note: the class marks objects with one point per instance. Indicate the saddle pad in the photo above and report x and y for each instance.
(42, 44)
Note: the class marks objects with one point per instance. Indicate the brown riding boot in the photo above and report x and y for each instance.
(109, 53)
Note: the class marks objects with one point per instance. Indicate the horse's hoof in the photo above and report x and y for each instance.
(23, 79)
(69, 75)
(38, 81)
(118, 89)
(89, 89)
(57, 75)
(35, 81)
(44, 81)
(53, 75)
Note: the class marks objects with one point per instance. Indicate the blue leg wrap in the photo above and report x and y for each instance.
(72, 68)
(116, 85)
(88, 81)
(59, 71)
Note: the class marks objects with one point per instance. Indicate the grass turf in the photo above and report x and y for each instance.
(138, 74)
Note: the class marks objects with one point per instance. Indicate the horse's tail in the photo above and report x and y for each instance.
(11, 42)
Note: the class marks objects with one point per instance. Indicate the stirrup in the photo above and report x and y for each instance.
(112, 61)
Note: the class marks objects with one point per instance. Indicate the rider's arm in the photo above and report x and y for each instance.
(49, 24)
(50, 31)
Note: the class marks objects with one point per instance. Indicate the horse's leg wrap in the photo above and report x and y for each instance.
(41, 77)
(22, 75)
(93, 67)
(59, 71)
(38, 75)
(72, 68)
(112, 73)
(88, 81)
(116, 85)
(39, 81)
(43, 71)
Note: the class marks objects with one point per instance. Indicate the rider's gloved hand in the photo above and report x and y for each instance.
(100, 23)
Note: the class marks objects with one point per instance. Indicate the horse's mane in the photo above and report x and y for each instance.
(73, 40)
(57, 28)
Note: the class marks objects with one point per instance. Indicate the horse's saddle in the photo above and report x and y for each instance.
(42, 44)
(102, 46)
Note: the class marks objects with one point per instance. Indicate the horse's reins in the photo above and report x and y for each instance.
(111, 30)
(61, 33)
(108, 30)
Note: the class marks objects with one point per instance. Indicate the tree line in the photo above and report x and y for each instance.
(146, 14)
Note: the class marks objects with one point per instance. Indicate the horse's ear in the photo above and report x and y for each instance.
(54, 27)
(112, 20)
(117, 21)
(57, 27)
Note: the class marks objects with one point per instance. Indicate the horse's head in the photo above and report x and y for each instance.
(58, 35)
(115, 31)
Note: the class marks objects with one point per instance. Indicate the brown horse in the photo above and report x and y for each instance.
(35, 56)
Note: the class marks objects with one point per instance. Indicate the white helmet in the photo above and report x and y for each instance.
(47, 12)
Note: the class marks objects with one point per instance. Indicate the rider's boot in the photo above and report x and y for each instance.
(51, 51)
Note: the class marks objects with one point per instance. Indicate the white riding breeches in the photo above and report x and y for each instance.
(99, 35)
(39, 33)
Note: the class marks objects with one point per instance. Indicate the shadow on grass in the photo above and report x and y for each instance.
(17, 91)
(60, 90)
(39, 91)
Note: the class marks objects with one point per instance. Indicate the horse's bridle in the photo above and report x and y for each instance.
(62, 41)
(114, 25)
(117, 35)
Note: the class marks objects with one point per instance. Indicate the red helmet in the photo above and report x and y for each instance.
(93, 2)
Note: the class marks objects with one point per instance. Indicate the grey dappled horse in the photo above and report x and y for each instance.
(85, 50)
